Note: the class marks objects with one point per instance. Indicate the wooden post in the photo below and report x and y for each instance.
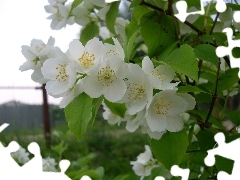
(46, 118)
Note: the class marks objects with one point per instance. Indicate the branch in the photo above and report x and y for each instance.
(170, 9)
(214, 23)
(214, 96)
(194, 28)
(153, 7)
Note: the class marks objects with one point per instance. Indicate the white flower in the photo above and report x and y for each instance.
(164, 111)
(60, 16)
(103, 11)
(35, 55)
(119, 27)
(49, 164)
(61, 73)
(88, 56)
(71, 94)
(153, 135)
(107, 79)
(135, 121)
(110, 116)
(144, 163)
(139, 90)
(114, 50)
(82, 14)
(161, 76)
(21, 155)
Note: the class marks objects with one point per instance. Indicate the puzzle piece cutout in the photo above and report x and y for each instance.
(9, 168)
(177, 171)
(182, 9)
(228, 150)
(222, 51)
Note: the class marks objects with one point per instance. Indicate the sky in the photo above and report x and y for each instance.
(22, 21)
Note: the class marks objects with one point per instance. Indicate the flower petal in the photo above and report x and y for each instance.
(174, 123)
(92, 86)
(147, 65)
(116, 91)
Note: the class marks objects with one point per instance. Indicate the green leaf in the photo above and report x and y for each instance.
(139, 11)
(78, 115)
(228, 79)
(130, 46)
(157, 32)
(160, 4)
(220, 38)
(207, 53)
(223, 164)
(116, 108)
(88, 32)
(183, 60)
(95, 106)
(234, 116)
(111, 16)
(171, 148)
(131, 28)
(189, 88)
(206, 140)
(76, 3)
(165, 53)
(132, 31)
(135, 3)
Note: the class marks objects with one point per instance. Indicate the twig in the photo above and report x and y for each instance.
(194, 28)
(153, 7)
(214, 23)
(214, 96)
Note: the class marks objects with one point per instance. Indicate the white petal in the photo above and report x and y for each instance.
(56, 87)
(26, 66)
(28, 54)
(156, 123)
(155, 135)
(115, 91)
(66, 100)
(38, 77)
(92, 87)
(189, 99)
(49, 68)
(136, 106)
(147, 65)
(174, 123)
(96, 47)
(51, 41)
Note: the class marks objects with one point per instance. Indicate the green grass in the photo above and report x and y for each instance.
(111, 147)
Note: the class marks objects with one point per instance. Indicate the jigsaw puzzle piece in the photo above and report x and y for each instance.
(34, 164)
(222, 51)
(182, 9)
(177, 171)
(7, 163)
(159, 178)
(3, 126)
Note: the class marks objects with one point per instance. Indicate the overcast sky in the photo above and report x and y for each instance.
(21, 21)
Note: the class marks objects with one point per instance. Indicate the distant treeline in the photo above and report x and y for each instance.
(27, 116)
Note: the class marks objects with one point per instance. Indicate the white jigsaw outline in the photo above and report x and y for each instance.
(182, 9)
(177, 171)
(222, 51)
(10, 169)
(228, 150)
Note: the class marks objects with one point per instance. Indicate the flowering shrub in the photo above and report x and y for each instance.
(149, 71)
